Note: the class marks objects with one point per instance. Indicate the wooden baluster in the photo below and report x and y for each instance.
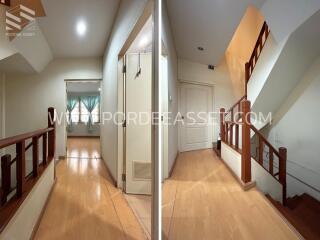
(6, 177)
(231, 128)
(222, 128)
(260, 151)
(247, 76)
(20, 167)
(283, 173)
(35, 156)
(51, 134)
(44, 148)
(246, 144)
(270, 161)
(227, 133)
(237, 136)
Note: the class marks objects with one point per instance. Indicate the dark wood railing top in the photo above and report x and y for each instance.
(22, 137)
(236, 104)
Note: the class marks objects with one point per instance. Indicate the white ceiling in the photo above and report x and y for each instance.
(206, 23)
(143, 42)
(59, 26)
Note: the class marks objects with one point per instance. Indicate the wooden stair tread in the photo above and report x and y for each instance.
(302, 218)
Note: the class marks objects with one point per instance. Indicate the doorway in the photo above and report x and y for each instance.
(83, 118)
(137, 106)
(196, 127)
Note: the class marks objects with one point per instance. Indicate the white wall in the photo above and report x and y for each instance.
(29, 96)
(264, 181)
(296, 127)
(22, 223)
(232, 158)
(285, 16)
(81, 129)
(264, 66)
(2, 105)
(128, 14)
(172, 70)
(224, 92)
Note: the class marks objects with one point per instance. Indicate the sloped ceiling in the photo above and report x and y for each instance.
(206, 23)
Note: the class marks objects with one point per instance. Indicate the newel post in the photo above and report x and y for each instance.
(246, 145)
(283, 172)
(222, 127)
(51, 134)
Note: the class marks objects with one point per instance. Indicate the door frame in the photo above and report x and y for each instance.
(181, 82)
(66, 81)
(164, 127)
(121, 168)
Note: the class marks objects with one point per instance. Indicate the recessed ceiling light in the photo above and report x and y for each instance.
(99, 89)
(200, 48)
(81, 28)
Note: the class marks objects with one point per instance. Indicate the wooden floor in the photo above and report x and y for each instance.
(141, 206)
(202, 200)
(84, 203)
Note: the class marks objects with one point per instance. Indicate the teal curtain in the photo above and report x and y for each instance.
(71, 104)
(90, 102)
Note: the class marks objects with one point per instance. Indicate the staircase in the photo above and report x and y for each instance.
(303, 212)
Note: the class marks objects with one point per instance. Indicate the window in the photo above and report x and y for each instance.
(80, 113)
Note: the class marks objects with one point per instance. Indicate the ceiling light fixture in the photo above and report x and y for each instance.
(81, 28)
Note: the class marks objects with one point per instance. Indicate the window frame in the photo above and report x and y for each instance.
(80, 113)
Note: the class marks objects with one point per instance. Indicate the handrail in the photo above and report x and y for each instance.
(250, 65)
(236, 104)
(13, 140)
(230, 132)
(265, 140)
(25, 182)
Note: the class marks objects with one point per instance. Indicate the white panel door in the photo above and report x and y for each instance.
(138, 130)
(196, 127)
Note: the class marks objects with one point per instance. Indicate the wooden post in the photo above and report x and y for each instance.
(20, 167)
(6, 177)
(271, 161)
(51, 134)
(35, 156)
(231, 128)
(246, 144)
(222, 127)
(283, 173)
(237, 136)
(44, 148)
(260, 158)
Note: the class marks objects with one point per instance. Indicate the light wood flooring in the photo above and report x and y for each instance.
(202, 200)
(84, 203)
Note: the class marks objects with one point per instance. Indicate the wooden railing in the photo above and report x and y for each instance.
(272, 154)
(24, 182)
(230, 134)
(250, 65)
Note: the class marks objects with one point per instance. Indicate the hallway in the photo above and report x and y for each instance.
(202, 199)
(84, 203)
